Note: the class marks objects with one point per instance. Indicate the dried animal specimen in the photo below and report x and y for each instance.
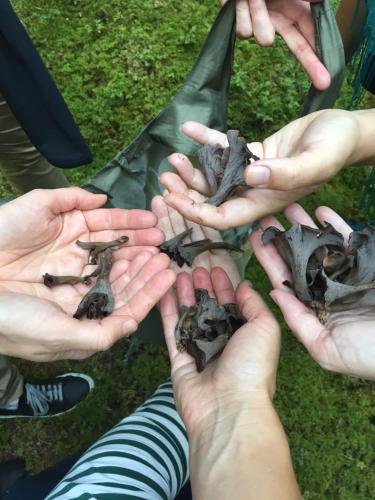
(205, 328)
(326, 276)
(171, 247)
(50, 280)
(185, 254)
(224, 168)
(99, 301)
(97, 247)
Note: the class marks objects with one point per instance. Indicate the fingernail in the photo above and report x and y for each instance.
(249, 283)
(257, 176)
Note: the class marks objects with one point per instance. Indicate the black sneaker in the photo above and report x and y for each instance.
(50, 397)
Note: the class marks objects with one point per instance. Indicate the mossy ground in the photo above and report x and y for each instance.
(118, 63)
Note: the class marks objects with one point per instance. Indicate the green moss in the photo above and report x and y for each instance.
(118, 63)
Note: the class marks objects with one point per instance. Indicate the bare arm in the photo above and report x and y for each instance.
(244, 457)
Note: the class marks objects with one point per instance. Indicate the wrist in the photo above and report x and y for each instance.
(247, 451)
(364, 150)
(222, 425)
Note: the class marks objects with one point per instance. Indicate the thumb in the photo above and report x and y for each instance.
(306, 169)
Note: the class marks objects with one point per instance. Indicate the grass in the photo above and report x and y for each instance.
(118, 64)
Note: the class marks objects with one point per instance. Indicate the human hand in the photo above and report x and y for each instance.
(171, 223)
(294, 161)
(346, 342)
(245, 373)
(292, 19)
(38, 235)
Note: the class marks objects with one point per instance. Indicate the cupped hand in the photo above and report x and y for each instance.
(294, 161)
(38, 235)
(171, 223)
(292, 19)
(245, 372)
(346, 343)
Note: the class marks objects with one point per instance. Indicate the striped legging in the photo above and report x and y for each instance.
(144, 456)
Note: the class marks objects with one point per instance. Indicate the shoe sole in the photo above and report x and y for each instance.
(88, 379)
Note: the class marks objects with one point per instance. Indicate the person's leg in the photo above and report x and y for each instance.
(11, 382)
(20, 161)
(144, 456)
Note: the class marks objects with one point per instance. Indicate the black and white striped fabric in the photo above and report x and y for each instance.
(144, 456)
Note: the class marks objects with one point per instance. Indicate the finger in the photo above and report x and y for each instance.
(170, 316)
(257, 149)
(146, 297)
(221, 258)
(160, 209)
(269, 258)
(121, 280)
(67, 199)
(287, 174)
(177, 222)
(270, 220)
(297, 215)
(253, 307)
(140, 237)
(193, 177)
(125, 320)
(174, 184)
(305, 54)
(129, 253)
(326, 214)
(306, 25)
(222, 286)
(185, 290)
(117, 218)
(202, 279)
(300, 319)
(243, 19)
(203, 134)
(152, 267)
(221, 217)
(263, 29)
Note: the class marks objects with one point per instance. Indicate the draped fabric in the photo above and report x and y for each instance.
(34, 98)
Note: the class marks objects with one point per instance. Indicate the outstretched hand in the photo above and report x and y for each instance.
(38, 235)
(171, 223)
(294, 161)
(292, 19)
(245, 373)
(346, 343)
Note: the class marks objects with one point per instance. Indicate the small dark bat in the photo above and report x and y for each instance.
(50, 280)
(326, 276)
(204, 329)
(224, 167)
(186, 253)
(98, 247)
(99, 301)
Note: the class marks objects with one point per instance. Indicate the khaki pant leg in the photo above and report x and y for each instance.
(20, 161)
(11, 381)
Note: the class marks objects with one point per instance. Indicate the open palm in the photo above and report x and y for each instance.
(38, 235)
(346, 342)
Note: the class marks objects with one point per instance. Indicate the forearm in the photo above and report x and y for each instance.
(243, 457)
(364, 152)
